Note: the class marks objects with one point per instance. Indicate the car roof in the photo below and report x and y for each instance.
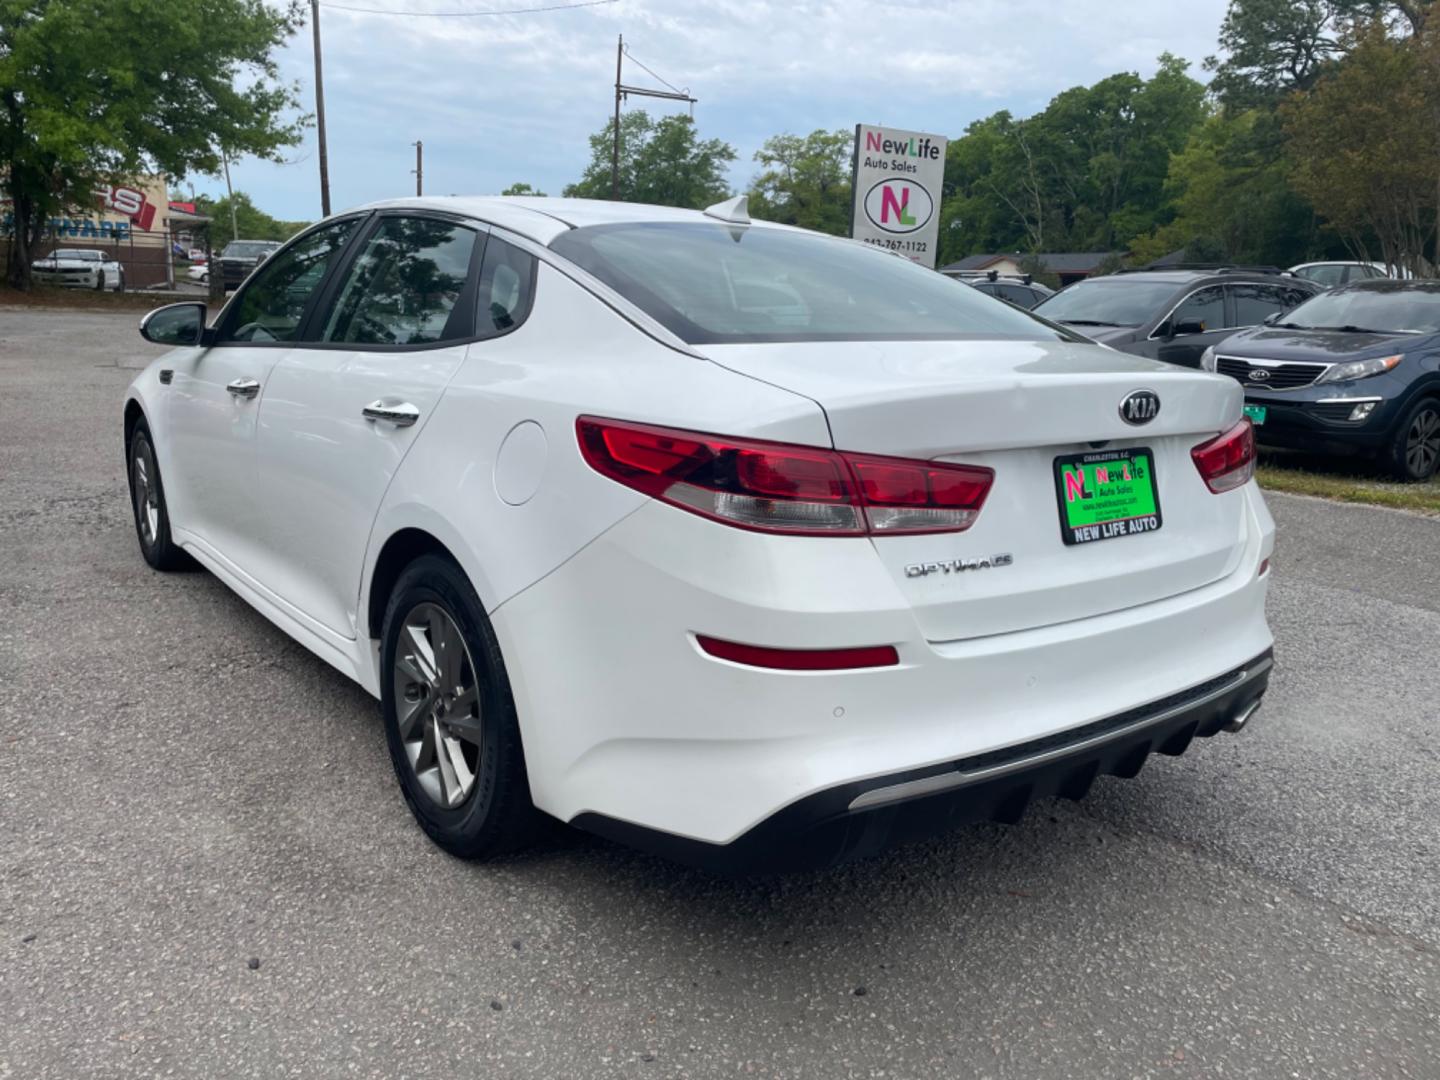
(541, 218)
(1184, 278)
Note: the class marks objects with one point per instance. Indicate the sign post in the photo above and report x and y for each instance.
(897, 180)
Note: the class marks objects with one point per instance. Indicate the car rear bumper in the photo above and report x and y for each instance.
(867, 816)
(628, 723)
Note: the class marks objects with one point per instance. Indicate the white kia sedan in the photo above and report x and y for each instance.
(733, 541)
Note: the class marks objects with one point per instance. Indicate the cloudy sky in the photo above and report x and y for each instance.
(504, 98)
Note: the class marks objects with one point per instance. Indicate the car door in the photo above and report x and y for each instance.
(1204, 307)
(341, 412)
(216, 392)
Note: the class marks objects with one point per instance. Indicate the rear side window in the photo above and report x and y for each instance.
(1018, 294)
(406, 285)
(274, 299)
(1327, 276)
(507, 288)
(720, 284)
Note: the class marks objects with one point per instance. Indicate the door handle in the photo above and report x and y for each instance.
(401, 414)
(246, 388)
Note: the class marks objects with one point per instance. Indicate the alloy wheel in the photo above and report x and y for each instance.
(147, 496)
(1422, 443)
(437, 705)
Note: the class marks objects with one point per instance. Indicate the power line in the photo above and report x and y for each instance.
(468, 14)
(642, 67)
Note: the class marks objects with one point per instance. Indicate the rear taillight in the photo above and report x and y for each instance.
(1228, 460)
(800, 659)
(777, 487)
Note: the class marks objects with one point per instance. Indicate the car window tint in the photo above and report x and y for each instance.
(1206, 307)
(507, 283)
(713, 283)
(1017, 294)
(273, 301)
(1328, 275)
(1256, 303)
(404, 285)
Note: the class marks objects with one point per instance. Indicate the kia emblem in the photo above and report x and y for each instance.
(1259, 374)
(1140, 407)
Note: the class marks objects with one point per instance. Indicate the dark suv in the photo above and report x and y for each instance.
(1020, 291)
(242, 256)
(1173, 315)
(1356, 369)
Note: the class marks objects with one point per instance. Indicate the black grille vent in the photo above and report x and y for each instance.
(1283, 377)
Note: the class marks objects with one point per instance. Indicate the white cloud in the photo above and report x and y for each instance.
(505, 98)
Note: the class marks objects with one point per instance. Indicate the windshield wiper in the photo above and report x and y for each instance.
(1088, 322)
(1351, 328)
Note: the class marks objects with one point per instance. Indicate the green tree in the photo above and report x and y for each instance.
(251, 223)
(1230, 186)
(661, 161)
(1087, 173)
(806, 181)
(1366, 146)
(95, 90)
(522, 189)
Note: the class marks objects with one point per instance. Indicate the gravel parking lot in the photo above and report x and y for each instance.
(206, 868)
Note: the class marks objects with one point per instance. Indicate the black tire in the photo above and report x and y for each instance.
(147, 502)
(120, 285)
(496, 815)
(1415, 447)
(100, 281)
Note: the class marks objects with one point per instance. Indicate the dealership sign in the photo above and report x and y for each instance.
(897, 178)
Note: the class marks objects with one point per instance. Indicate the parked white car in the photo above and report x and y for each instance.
(79, 268)
(199, 272)
(1331, 274)
(738, 542)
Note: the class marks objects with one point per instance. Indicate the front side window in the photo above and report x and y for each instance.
(1206, 307)
(405, 286)
(722, 284)
(273, 302)
(1256, 303)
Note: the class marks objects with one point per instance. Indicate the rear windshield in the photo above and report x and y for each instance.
(722, 284)
(247, 249)
(1387, 307)
(1112, 301)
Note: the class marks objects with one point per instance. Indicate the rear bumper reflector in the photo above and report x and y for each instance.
(868, 656)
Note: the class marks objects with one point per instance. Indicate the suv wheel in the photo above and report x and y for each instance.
(1415, 450)
(450, 719)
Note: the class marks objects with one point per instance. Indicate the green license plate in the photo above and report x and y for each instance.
(1106, 494)
(1256, 413)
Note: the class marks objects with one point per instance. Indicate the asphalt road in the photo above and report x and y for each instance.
(183, 793)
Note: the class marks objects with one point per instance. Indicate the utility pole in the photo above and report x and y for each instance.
(419, 167)
(615, 144)
(230, 196)
(320, 112)
(622, 91)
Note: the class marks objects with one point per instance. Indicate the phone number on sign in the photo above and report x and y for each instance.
(914, 247)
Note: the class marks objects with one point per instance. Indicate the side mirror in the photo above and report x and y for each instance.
(1186, 327)
(174, 324)
(1273, 318)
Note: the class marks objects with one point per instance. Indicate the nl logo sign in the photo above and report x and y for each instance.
(897, 180)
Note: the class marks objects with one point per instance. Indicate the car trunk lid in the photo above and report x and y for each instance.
(1017, 407)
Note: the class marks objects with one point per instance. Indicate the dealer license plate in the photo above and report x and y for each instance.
(1256, 413)
(1107, 494)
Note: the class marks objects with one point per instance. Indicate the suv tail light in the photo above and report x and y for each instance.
(778, 487)
(1228, 460)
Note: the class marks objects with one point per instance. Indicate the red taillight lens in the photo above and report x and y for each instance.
(1228, 460)
(777, 487)
(800, 659)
